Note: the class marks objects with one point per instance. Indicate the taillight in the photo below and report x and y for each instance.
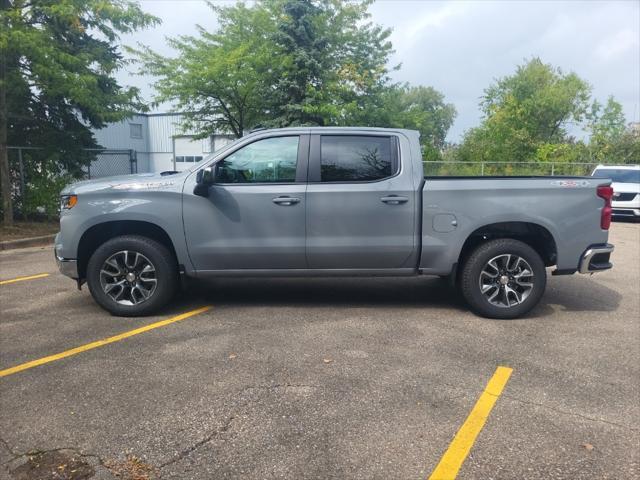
(605, 192)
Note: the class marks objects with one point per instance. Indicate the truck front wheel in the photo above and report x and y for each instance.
(131, 275)
(503, 278)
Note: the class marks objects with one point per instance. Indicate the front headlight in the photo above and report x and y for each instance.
(68, 201)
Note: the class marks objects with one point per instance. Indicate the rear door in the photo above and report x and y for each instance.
(361, 206)
(254, 216)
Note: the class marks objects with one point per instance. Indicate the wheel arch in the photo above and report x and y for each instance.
(533, 234)
(100, 233)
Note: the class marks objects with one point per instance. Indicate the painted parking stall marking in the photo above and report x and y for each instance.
(460, 446)
(101, 343)
(22, 279)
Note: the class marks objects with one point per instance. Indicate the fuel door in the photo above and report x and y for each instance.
(444, 222)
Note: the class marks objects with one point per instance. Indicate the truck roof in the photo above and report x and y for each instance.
(326, 130)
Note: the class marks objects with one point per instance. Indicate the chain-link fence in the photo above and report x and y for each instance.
(112, 162)
(478, 169)
(38, 177)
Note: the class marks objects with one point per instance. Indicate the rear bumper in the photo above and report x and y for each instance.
(596, 259)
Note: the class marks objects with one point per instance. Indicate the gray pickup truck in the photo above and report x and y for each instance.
(329, 202)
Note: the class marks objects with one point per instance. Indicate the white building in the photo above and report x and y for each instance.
(158, 141)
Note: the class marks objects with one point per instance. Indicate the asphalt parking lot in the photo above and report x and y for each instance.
(320, 378)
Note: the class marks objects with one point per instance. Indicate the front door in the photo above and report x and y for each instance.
(254, 216)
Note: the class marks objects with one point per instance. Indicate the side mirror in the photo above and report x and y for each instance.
(204, 179)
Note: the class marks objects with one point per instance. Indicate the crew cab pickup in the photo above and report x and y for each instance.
(326, 201)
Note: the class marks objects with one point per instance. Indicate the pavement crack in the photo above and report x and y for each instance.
(187, 451)
(34, 452)
(573, 414)
(7, 446)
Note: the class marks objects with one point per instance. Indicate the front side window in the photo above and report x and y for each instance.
(351, 158)
(272, 160)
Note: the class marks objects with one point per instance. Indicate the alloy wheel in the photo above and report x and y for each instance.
(506, 280)
(128, 277)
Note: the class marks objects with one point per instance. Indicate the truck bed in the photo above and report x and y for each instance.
(454, 208)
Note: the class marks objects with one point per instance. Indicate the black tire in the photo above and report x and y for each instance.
(165, 272)
(470, 279)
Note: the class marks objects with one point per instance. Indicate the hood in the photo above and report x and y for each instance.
(136, 182)
(619, 187)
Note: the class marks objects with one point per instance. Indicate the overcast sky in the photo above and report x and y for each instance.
(459, 47)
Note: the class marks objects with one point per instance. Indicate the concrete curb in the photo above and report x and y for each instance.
(28, 242)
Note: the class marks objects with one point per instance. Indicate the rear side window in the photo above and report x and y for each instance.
(353, 158)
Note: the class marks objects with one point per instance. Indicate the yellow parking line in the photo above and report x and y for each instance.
(22, 279)
(100, 343)
(461, 444)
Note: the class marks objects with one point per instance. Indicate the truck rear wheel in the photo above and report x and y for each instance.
(503, 279)
(132, 276)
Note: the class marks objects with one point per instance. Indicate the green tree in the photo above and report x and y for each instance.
(424, 109)
(413, 107)
(606, 122)
(58, 59)
(522, 111)
(277, 63)
(627, 148)
(610, 141)
(344, 59)
(222, 80)
(301, 43)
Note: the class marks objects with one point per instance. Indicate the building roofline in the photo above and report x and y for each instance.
(159, 114)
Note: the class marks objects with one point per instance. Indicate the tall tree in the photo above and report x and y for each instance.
(335, 62)
(57, 81)
(413, 107)
(522, 111)
(606, 126)
(221, 79)
(276, 62)
(301, 43)
(610, 139)
(424, 109)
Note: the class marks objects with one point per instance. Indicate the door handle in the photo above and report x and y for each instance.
(394, 200)
(286, 200)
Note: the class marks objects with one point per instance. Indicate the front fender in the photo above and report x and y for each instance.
(162, 209)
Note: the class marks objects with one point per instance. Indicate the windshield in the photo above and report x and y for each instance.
(618, 175)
